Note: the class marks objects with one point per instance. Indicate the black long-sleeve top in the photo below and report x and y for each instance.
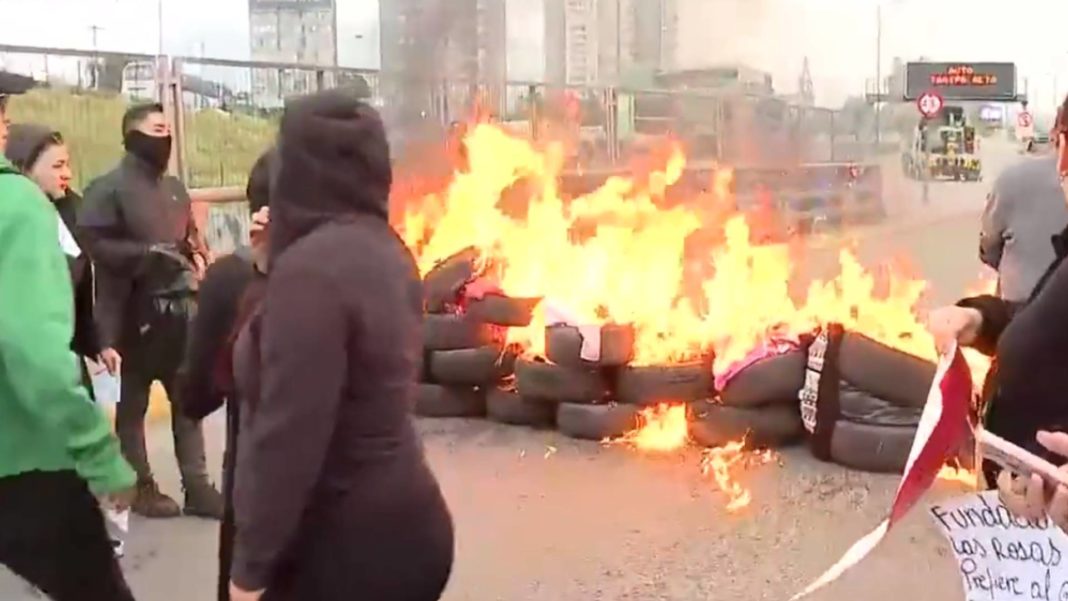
(1027, 387)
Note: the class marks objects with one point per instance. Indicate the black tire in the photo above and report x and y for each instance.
(879, 449)
(508, 407)
(772, 380)
(714, 425)
(447, 332)
(442, 284)
(563, 346)
(503, 310)
(650, 385)
(596, 422)
(538, 380)
(883, 372)
(433, 400)
(471, 367)
(860, 407)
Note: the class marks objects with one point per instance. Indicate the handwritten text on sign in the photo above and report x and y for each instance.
(1003, 557)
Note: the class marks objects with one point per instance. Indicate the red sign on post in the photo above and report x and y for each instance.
(930, 103)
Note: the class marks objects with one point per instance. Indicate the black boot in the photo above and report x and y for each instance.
(151, 503)
(203, 500)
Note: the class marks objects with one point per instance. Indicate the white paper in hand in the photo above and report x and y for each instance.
(106, 387)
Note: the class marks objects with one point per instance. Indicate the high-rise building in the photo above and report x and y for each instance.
(427, 43)
(603, 41)
(291, 31)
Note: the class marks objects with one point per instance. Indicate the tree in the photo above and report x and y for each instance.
(857, 116)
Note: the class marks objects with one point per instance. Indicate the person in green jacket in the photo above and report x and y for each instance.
(57, 452)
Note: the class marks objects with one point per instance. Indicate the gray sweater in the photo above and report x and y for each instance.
(1025, 208)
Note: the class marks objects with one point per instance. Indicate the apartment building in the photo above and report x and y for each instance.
(290, 31)
(602, 41)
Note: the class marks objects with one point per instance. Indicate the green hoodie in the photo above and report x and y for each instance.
(47, 422)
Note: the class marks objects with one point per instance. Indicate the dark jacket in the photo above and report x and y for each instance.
(1027, 388)
(231, 290)
(126, 213)
(334, 498)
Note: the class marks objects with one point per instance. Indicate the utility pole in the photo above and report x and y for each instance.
(94, 67)
(878, 71)
(619, 41)
(159, 16)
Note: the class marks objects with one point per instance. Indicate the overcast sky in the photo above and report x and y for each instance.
(838, 36)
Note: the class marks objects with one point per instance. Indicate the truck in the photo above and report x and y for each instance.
(943, 147)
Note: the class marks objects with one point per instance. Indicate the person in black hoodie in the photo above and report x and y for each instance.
(334, 498)
(229, 293)
(42, 155)
(1024, 392)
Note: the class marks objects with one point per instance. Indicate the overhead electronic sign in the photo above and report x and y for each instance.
(962, 81)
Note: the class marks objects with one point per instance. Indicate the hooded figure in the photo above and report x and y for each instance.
(229, 293)
(334, 498)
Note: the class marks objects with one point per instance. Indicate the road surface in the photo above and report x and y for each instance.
(543, 518)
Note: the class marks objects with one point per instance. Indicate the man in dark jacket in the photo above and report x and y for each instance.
(138, 224)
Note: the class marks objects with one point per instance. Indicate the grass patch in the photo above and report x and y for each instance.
(220, 148)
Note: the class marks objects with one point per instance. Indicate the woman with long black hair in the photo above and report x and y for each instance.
(334, 499)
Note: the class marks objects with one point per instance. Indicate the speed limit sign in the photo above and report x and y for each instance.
(929, 103)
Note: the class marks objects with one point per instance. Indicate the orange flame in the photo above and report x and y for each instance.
(719, 462)
(956, 473)
(662, 428)
(624, 254)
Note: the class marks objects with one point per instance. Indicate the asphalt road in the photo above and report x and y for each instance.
(542, 518)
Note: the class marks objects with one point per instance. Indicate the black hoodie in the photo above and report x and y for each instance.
(334, 499)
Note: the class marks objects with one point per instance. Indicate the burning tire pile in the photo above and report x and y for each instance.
(855, 401)
(626, 315)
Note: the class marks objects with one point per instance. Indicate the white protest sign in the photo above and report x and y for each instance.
(1002, 557)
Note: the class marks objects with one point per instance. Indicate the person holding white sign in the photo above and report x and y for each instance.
(1025, 389)
(1031, 498)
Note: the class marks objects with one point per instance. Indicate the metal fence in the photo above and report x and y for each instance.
(226, 114)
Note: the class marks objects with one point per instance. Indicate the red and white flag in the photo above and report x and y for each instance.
(942, 428)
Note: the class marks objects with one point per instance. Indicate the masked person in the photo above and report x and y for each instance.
(41, 154)
(333, 495)
(229, 294)
(139, 227)
(57, 453)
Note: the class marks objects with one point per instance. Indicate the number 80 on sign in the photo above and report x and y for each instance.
(929, 103)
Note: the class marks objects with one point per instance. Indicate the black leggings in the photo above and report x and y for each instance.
(52, 534)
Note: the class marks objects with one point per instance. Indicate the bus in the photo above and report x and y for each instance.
(139, 81)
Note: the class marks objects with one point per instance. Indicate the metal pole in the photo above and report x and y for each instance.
(159, 16)
(878, 70)
(619, 41)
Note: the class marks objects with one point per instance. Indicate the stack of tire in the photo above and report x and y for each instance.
(759, 404)
(467, 368)
(863, 400)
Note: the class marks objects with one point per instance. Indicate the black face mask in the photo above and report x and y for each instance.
(156, 151)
